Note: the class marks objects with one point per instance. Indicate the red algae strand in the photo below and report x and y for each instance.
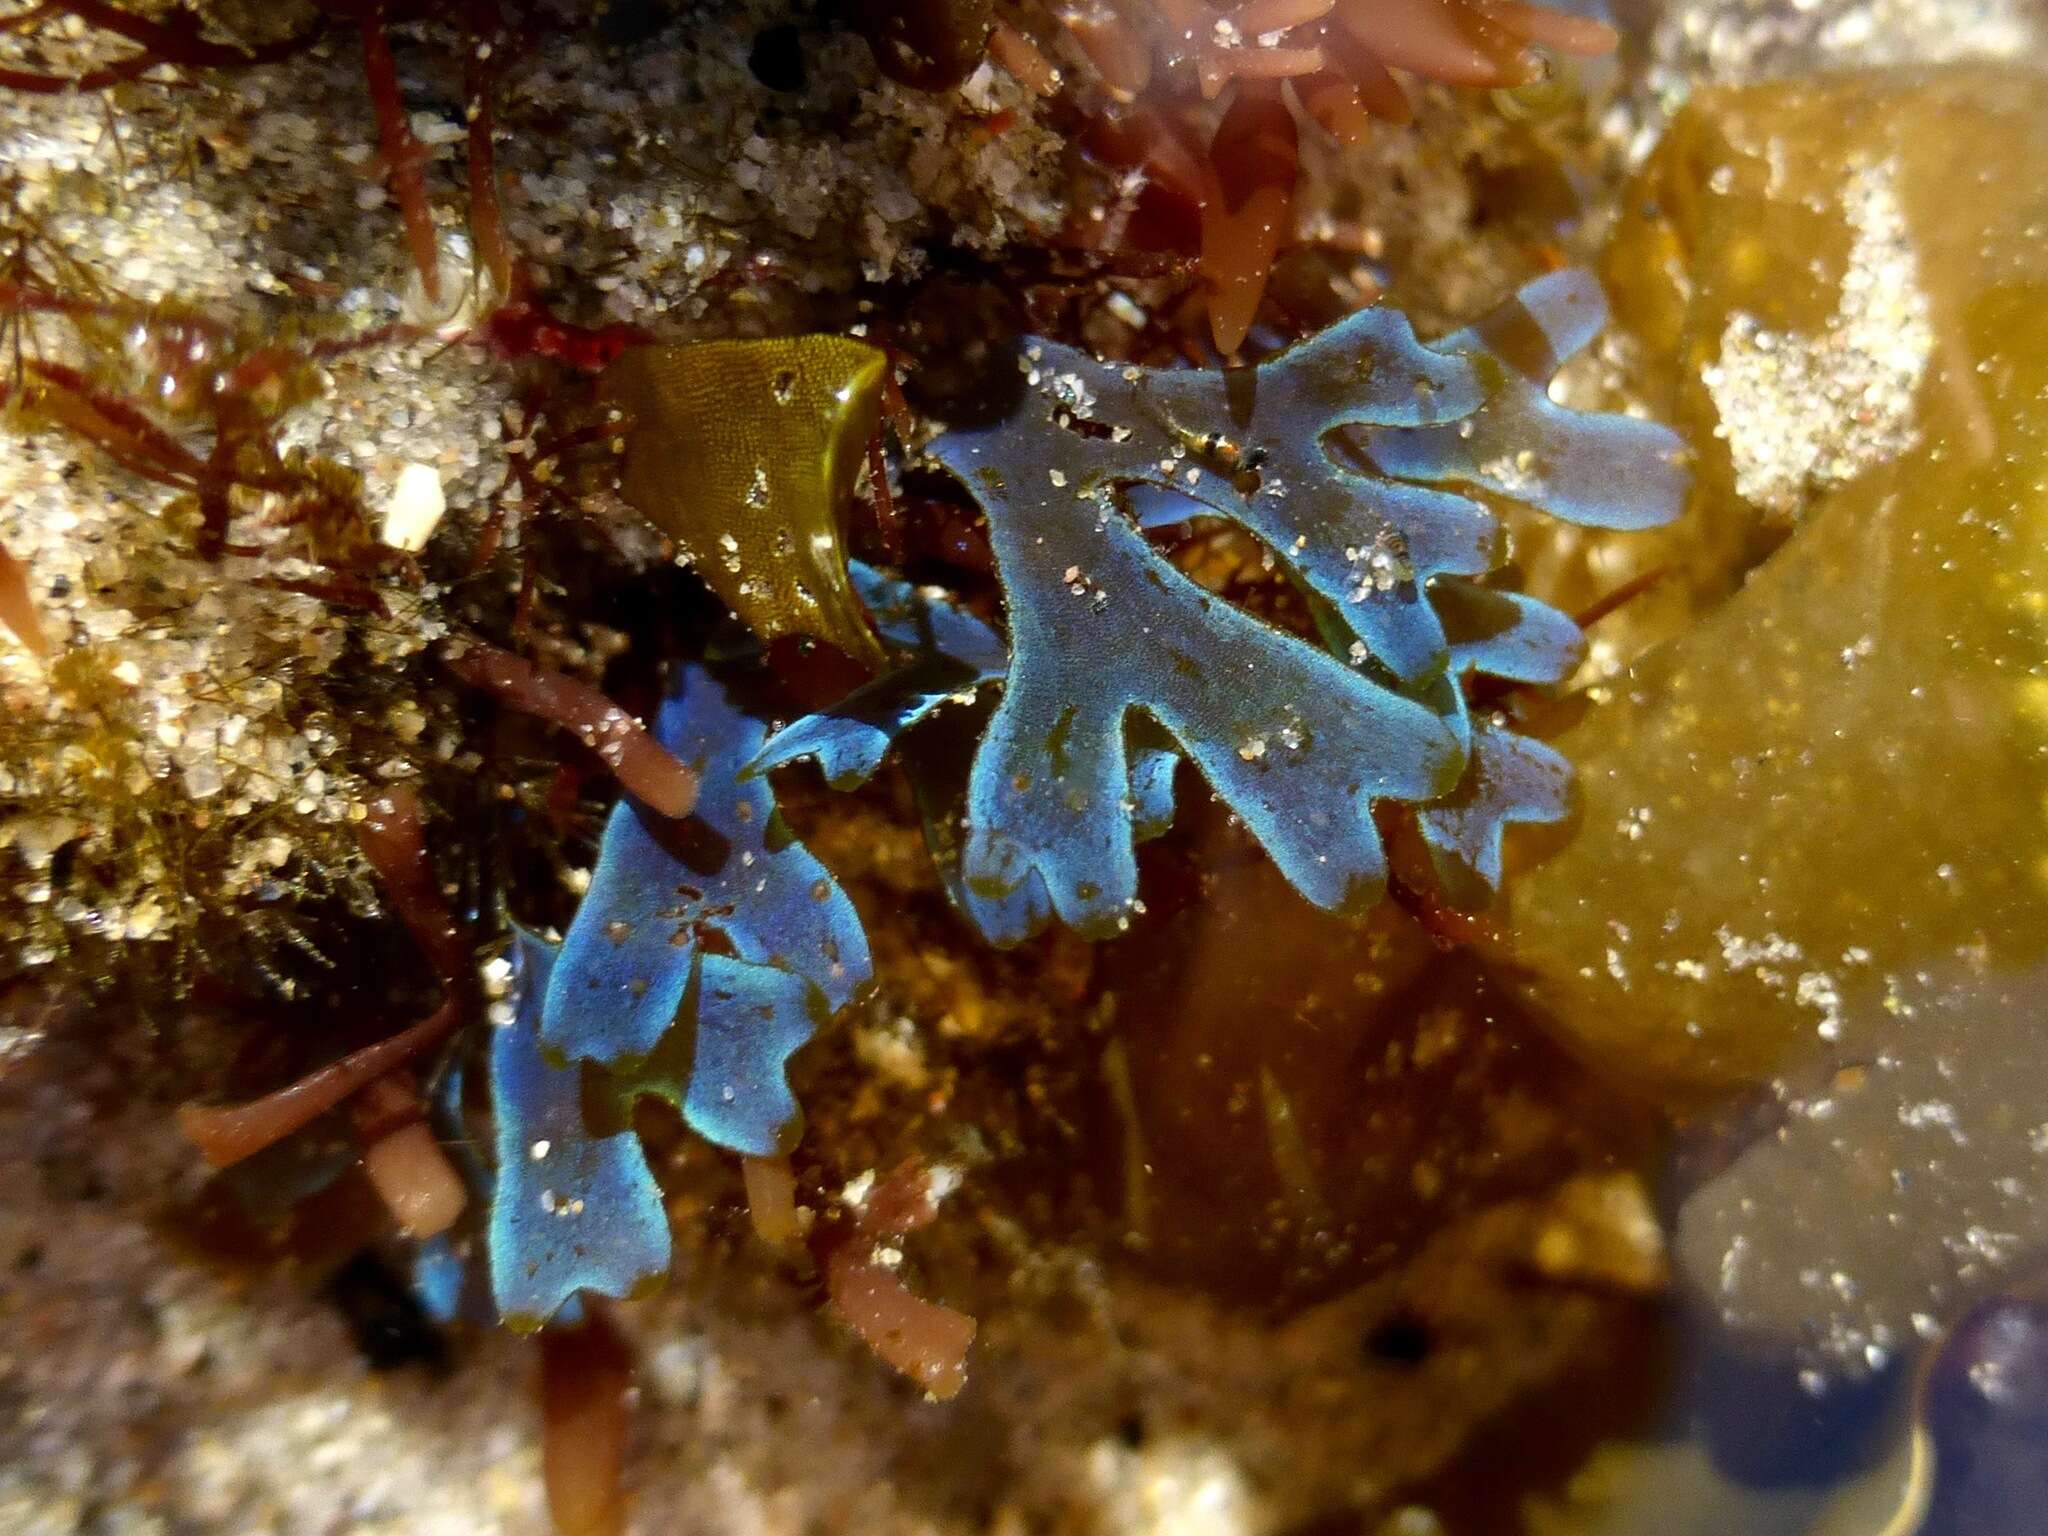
(227, 1133)
(393, 841)
(925, 1341)
(17, 606)
(643, 766)
(586, 1381)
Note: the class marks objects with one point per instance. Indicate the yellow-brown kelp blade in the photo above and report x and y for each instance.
(745, 453)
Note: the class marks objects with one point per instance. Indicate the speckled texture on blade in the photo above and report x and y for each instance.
(572, 1211)
(1509, 779)
(731, 867)
(1600, 471)
(1297, 742)
(952, 654)
(745, 453)
(750, 1020)
(1300, 743)
(1366, 544)
(1506, 634)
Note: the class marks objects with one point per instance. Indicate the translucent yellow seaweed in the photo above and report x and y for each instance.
(745, 453)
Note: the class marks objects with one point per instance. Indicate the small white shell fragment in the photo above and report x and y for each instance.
(415, 508)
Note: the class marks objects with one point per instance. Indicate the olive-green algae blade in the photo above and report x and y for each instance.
(1836, 782)
(745, 453)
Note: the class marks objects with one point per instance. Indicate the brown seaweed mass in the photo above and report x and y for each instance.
(1811, 850)
(1291, 1100)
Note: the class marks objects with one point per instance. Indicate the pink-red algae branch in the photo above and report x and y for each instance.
(393, 839)
(586, 1384)
(646, 768)
(393, 842)
(486, 38)
(403, 155)
(18, 608)
(227, 1133)
(925, 1341)
(177, 40)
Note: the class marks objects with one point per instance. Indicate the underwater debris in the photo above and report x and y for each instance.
(1300, 741)
(745, 453)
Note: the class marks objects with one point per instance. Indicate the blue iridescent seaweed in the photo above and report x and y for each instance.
(570, 1211)
(1508, 778)
(731, 867)
(1101, 626)
(750, 1020)
(440, 1275)
(951, 655)
(1299, 743)
(1597, 470)
(1511, 778)
(951, 652)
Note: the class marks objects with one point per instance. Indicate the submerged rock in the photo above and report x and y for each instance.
(1811, 852)
(1986, 1409)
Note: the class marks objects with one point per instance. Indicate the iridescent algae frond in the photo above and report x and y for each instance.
(788, 945)
(950, 656)
(571, 1211)
(745, 453)
(706, 952)
(1299, 741)
(1509, 778)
